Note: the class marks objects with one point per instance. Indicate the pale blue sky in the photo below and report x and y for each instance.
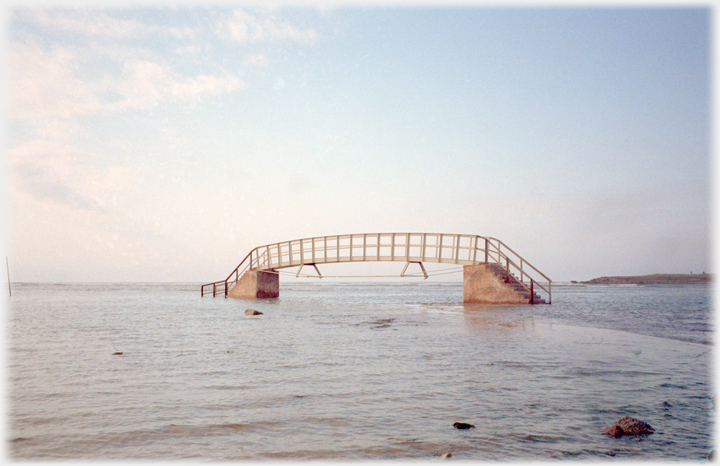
(163, 144)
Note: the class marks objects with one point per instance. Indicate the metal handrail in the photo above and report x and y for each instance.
(522, 272)
(409, 247)
(225, 282)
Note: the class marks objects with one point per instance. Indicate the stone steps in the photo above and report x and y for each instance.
(515, 283)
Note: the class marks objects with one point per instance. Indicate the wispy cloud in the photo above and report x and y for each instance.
(242, 26)
(59, 173)
(98, 163)
(69, 79)
(146, 84)
(81, 21)
(43, 84)
(70, 64)
(46, 83)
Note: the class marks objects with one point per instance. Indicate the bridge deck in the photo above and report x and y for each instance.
(407, 247)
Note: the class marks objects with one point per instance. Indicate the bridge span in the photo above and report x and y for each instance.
(492, 272)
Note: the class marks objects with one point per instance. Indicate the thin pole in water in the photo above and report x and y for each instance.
(7, 264)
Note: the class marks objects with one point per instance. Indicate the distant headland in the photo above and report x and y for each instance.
(655, 279)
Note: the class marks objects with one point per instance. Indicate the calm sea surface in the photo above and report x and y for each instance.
(355, 371)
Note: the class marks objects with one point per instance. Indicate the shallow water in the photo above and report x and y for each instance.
(355, 371)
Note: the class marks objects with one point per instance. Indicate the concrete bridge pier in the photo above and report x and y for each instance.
(256, 284)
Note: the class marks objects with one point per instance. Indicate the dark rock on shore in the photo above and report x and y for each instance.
(629, 426)
(252, 312)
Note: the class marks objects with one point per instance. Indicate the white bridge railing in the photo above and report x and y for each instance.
(439, 248)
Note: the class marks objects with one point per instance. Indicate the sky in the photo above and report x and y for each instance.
(164, 143)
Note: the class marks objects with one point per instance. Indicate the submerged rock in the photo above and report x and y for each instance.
(629, 426)
(462, 425)
(252, 312)
(613, 431)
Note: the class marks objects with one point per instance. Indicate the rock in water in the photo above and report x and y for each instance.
(462, 425)
(634, 427)
(614, 431)
(629, 426)
(252, 312)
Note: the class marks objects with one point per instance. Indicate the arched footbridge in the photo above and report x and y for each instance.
(492, 272)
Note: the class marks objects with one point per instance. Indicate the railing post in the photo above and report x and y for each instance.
(422, 248)
(392, 247)
(532, 291)
(214, 284)
(407, 247)
(457, 250)
(486, 250)
(474, 260)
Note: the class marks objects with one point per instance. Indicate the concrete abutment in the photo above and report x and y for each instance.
(491, 284)
(256, 284)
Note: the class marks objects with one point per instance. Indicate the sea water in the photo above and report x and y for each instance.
(365, 371)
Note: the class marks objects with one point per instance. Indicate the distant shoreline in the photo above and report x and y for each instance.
(655, 279)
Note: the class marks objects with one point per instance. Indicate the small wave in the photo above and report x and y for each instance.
(19, 439)
(229, 387)
(672, 385)
(538, 438)
(232, 426)
(332, 421)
